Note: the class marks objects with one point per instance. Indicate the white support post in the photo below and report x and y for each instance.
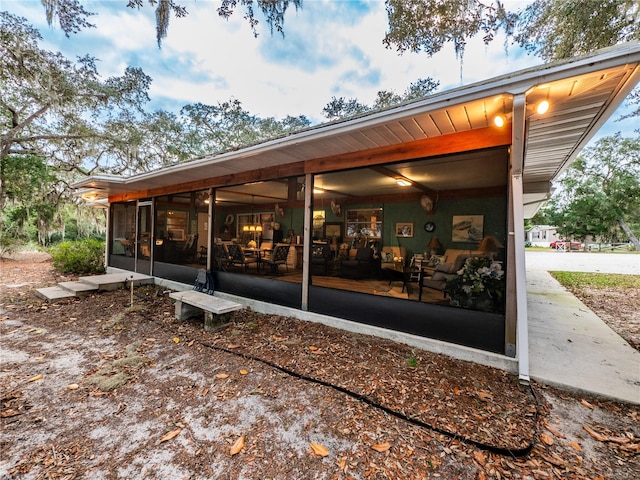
(517, 208)
(521, 280)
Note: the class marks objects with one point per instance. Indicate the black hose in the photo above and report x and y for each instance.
(518, 452)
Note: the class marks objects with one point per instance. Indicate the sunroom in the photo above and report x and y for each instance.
(375, 220)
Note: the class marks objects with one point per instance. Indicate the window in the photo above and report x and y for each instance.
(364, 221)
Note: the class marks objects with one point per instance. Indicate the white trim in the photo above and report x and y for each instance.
(522, 324)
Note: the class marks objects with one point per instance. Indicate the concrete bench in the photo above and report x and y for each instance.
(192, 303)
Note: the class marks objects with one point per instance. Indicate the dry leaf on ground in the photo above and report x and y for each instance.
(381, 447)
(170, 435)
(237, 446)
(319, 450)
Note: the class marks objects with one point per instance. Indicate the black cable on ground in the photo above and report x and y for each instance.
(518, 452)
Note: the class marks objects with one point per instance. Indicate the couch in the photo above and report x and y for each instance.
(441, 270)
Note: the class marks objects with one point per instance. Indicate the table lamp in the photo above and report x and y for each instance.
(434, 246)
(490, 246)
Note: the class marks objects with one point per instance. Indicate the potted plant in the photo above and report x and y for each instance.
(479, 285)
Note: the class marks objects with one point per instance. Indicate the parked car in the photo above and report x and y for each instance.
(564, 244)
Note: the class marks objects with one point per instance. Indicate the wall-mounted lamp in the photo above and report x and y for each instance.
(542, 107)
(403, 182)
(499, 121)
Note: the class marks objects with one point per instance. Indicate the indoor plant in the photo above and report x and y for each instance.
(479, 284)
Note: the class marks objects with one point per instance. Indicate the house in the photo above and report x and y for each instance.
(542, 235)
(435, 175)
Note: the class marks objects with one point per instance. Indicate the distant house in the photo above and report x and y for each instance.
(353, 201)
(542, 235)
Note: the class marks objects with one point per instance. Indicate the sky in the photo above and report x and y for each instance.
(331, 48)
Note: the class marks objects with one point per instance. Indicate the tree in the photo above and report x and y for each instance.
(427, 25)
(341, 108)
(56, 110)
(227, 126)
(557, 29)
(72, 17)
(551, 29)
(599, 194)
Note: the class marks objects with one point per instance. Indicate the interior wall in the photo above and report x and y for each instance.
(493, 209)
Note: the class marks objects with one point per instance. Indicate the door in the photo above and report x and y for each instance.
(144, 236)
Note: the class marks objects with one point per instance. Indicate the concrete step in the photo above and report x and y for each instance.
(53, 293)
(114, 281)
(79, 289)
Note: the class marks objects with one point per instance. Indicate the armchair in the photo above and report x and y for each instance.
(278, 257)
(320, 255)
(188, 253)
(238, 257)
(363, 262)
(390, 252)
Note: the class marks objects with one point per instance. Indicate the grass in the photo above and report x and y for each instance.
(578, 280)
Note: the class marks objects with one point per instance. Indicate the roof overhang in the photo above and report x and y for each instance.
(583, 93)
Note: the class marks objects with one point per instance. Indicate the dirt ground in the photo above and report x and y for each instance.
(92, 388)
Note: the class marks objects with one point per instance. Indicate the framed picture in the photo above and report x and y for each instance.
(467, 228)
(176, 234)
(404, 230)
(333, 230)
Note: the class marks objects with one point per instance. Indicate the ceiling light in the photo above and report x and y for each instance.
(403, 182)
(542, 107)
(499, 121)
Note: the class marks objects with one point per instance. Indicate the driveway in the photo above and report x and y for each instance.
(569, 346)
(584, 262)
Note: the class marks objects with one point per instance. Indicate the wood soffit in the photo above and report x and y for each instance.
(437, 146)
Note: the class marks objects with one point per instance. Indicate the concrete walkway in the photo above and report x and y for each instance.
(569, 346)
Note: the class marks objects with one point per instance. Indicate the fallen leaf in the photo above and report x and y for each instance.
(319, 450)
(313, 348)
(237, 446)
(586, 404)
(576, 446)
(482, 475)
(480, 458)
(222, 376)
(381, 447)
(456, 390)
(244, 372)
(594, 434)
(190, 343)
(10, 412)
(555, 432)
(73, 386)
(231, 346)
(485, 395)
(170, 435)
(546, 439)
(36, 378)
(204, 392)
(176, 340)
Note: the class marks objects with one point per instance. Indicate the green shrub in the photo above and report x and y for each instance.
(80, 256)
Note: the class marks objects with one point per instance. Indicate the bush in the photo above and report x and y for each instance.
(80, 256)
